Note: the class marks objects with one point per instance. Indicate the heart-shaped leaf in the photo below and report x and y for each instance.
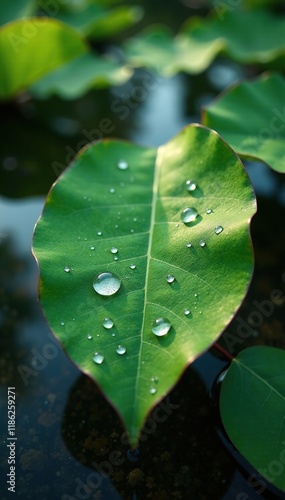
(33, 47)
(251, 117)
(252, 403)
(75, 78)
(144, 257)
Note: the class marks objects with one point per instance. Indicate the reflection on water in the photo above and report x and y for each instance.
(162, 114)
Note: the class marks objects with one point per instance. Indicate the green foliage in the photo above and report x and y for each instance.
(75, 78)
(139, 211)
(33, 48)
(156, 48)
(95, 207)
(252, 409)
(251, 118)
(30, 50)
(201, 40)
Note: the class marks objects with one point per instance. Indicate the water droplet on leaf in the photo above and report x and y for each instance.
(132, 266)
(112, 190)
(187, 312)
(99, 233)
(218, 229)
(189, 215)
(121, 350)
(170, 278)
(89, 336)
(188, 244)
(106, 284)
(202, 243)
(92, 248)
(98, 358)
(209, 211)
(152, 390)
(190, 185)
(67, 269)
(108, 323)
(160, 327)
(122, 165)
(114, 250)
(154, 379)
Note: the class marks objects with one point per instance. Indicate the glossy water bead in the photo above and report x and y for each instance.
(122, 165)
(121, 350)
(189, 214)
(106, 284)
(170, 278)
(161, 327)
(98, 358)
(108, 323)
(218, 229)
(190, 185)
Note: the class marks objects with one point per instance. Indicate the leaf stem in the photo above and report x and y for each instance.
(223, 351)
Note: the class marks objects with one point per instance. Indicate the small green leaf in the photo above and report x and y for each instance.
(252, 404)
(75, 78)
(33, 47)
(251, 117)
(120, 209)
(10, 10)
(97, 21)
(156, 48)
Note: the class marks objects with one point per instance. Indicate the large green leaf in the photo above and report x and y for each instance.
(97, 207)
(10, 10)
(81, 74)
(31, 48)
(200, 40)
(97, 21)
(252, 404)
(251, 118)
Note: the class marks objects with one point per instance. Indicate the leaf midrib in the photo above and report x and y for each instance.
(152, 222)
